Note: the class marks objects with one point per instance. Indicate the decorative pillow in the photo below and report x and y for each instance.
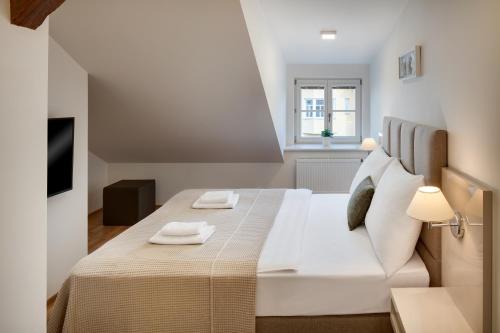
(359, 203)
(393, 234)
(374, 166)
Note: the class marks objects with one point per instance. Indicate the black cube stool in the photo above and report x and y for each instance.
(128, 201)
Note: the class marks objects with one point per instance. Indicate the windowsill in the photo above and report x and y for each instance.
(346, 147)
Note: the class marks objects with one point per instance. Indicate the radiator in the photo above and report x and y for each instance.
(326, 175)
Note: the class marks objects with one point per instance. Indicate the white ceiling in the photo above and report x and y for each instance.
(362, 26)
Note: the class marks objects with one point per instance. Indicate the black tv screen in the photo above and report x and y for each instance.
(60, 155)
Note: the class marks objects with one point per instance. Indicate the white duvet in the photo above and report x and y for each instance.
(316, 266)
(283, 247)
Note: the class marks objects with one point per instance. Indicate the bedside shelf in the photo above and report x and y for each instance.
(422, 310)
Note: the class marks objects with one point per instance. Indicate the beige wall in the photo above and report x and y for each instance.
(163, 89)
(307, 71)
(174, 177)
(98, 179)
(459, 89)
(23, 175)
(67, 212)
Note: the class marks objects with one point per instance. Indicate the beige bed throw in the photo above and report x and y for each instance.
(129, 285)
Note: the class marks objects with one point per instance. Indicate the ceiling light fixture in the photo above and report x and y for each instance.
(328, 34)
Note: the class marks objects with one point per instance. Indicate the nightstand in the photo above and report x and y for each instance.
(422, 310)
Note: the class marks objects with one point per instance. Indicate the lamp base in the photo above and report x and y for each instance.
(457, 226)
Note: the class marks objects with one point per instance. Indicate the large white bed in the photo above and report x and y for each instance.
(338, 273)
(280, 261)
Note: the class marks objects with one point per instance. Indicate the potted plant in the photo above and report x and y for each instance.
(326, 134)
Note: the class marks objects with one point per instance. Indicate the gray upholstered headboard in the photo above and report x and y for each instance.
(422, 150)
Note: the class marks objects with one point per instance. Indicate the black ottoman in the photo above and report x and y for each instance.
(128, 201)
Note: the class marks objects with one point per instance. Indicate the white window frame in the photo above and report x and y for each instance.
(328, 85)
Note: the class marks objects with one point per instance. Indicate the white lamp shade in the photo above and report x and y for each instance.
(369, 144)
(430, 205)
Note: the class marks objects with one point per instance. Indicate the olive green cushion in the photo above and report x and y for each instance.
(359, 203)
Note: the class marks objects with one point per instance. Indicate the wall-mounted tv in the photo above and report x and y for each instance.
(60, 155)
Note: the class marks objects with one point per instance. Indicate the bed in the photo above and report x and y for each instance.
(337, 285)
(339, 272)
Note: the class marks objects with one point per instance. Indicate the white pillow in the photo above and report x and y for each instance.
(393, 234)
(374, 166)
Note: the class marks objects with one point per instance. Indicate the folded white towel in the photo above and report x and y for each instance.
(216, 197)
(201, 238)
(228, 205)
(183, 228)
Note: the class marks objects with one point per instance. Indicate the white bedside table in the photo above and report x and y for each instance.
(422, 310)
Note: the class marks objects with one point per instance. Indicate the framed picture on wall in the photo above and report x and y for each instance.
(410, 64)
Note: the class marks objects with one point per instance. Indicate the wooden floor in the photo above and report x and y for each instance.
(98, 234)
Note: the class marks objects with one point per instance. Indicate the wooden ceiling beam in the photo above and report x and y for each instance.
(31, 13)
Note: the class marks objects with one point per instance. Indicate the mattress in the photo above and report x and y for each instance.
(338, 272)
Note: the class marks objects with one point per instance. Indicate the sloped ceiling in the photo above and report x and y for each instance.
(169, 81)
(362, 26)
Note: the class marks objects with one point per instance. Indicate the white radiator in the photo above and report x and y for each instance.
(326, 175)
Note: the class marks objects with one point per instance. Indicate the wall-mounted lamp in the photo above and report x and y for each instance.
(429, 205)
(369, 144)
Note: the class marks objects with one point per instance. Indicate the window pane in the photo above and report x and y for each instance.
(312, 123)
(344, 98)
(344, 123)
(320, 104)
(312, 98)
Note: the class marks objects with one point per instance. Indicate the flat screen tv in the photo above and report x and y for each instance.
(60, 155)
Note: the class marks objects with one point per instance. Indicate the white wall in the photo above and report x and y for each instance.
(271, 64)
(299, 71)
(23, 175)
(67, 212)
(98, 179)
(174, 177)
(459, 89)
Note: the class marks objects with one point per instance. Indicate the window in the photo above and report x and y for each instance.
(311, 126)
(309, 104)
(347, 100)
(320, 104)
(341, 113)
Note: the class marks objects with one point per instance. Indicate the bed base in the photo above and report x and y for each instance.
(358, 323)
